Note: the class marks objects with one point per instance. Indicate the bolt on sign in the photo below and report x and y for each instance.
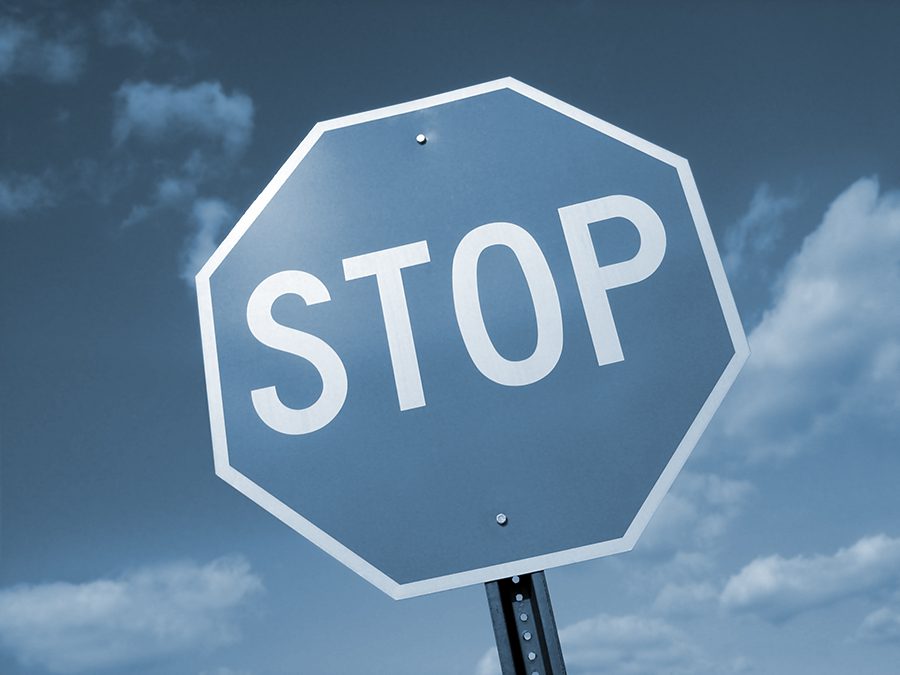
(467, 337)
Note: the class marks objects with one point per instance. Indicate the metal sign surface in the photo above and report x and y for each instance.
(466, 337)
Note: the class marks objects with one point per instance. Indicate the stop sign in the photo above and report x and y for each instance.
(466, 337)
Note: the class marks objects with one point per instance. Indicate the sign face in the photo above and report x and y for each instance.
(466, 337)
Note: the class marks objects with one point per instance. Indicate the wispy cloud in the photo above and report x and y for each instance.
(778, 588)
(758, 229)
(209, 219)
(25, 51)
(113, 623)
(217, 126)
(171, 192)
(673, 566)
(695, 513)
(690, 598)
(829, 347)
(166, 113)
(881, 626)
(20, 193)
(120, 26)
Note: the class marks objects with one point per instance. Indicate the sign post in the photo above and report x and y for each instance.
(524, 627)
(490, 264)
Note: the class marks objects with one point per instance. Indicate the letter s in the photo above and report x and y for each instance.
(269, 332)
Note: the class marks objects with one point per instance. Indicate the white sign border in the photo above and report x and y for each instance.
(527, 565)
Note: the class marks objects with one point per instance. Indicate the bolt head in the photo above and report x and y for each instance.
(421, 140)
(502, 519)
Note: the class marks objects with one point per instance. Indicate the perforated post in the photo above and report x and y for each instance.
(527, 639)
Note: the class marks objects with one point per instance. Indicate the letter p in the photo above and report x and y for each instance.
(595, 280)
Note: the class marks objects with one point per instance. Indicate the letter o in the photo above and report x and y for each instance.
(467, 305)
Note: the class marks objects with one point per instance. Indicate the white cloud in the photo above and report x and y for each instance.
(24, 51)
(160, 112)
(829, 347)
(112, 623)
(881, 626)
(120, 27)
(209, 219)
(778, 588)
(21, 193)
(758, 229)
(695, 513)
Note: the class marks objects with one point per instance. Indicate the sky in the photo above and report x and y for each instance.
(134, 135)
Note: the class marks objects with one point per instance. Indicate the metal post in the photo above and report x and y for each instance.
(527, 640)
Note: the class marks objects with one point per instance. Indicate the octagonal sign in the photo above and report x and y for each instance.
(466, 337)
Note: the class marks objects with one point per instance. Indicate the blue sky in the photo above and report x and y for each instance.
(134, 135)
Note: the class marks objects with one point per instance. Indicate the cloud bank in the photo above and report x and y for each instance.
(828, 350)
(111, 623)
